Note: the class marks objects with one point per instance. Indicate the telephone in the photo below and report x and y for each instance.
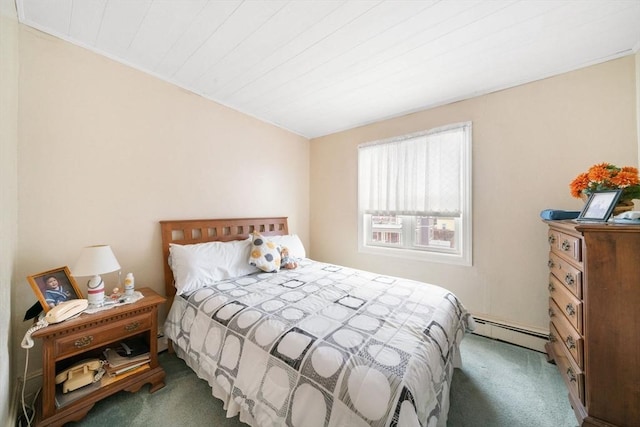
(81, 374)
(63, 311)
(66, 310)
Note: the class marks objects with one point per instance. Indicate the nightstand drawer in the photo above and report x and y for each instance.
(566, 273)
(570, 305)
(92, 338)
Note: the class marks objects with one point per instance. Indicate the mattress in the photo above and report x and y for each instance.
(323, 345)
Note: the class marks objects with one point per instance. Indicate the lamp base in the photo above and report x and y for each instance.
(95, 291)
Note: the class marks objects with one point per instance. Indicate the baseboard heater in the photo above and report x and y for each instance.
(531, 333)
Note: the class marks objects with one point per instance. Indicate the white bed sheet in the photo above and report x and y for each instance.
(323, 345)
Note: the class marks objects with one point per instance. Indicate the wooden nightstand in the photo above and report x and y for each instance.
(87, 336)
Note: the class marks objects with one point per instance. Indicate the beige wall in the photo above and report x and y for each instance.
(106, 152)
(529, 142)
(8, 197)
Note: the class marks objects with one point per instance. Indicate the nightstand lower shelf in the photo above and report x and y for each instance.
(78, 409)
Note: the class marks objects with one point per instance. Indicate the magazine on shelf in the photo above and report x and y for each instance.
(126, 353)
(114, 360)
(112, 372)
(108, 379)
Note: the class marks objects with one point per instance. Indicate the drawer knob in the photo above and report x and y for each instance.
(566, 246)
(551, 313)
(552, 239)
(570, 309)
(132, 326)
(551, 287)
(83, 342)
(550, 263)
(552, 337)
(571, 375)
(571, 343)
(568, 279)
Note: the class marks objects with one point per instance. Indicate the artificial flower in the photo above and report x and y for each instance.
(605, 176)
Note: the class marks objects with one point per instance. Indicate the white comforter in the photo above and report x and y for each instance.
(323, 345)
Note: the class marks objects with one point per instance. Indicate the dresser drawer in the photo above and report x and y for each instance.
(88, 339)
(569, 246)
(566, 273)
(567, 302)
(571, 339)
(572, 375)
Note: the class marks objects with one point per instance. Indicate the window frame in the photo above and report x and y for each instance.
(464, 256)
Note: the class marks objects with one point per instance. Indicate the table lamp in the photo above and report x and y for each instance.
(94, 261)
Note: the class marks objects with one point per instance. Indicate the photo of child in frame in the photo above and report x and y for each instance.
(54, 287)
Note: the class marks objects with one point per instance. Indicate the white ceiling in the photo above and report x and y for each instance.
(319, 67)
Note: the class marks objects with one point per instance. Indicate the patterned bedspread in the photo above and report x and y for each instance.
(323, 345)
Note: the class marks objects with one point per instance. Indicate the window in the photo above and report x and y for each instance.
(414, 195)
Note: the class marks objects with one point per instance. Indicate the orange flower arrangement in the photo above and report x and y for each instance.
(606, 176)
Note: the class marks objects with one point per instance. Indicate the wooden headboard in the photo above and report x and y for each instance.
(191, 231)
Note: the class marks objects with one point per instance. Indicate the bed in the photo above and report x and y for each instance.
(318, 345)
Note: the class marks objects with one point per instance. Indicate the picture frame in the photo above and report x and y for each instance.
(49, 297)
(599, 206)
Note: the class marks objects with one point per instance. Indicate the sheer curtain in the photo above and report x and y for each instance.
(419, 174)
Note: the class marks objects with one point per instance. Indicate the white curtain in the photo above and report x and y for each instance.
(418, 174)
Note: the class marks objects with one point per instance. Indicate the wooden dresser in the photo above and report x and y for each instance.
(594, 310)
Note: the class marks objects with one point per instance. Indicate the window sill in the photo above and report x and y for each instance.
(426, 256)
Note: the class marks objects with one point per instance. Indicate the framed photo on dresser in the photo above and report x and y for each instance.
(599, 206)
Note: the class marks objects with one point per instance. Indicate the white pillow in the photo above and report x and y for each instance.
(195, 266)
(291, 242)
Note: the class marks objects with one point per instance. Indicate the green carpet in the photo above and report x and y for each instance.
(498, 385)
(506, 385)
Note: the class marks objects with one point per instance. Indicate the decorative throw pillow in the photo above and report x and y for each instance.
(264, 254)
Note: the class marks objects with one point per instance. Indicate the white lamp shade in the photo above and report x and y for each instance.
(94, 260)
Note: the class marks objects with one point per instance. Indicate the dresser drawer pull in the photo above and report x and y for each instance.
(550, 263)
(566, 246)
(551, 313)
(568, 279)
(132, 326)
(571, 375)
(552, 337)
(83, 342)
(570, 309)
(571, 343)
(552, 239)
(551, 287)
